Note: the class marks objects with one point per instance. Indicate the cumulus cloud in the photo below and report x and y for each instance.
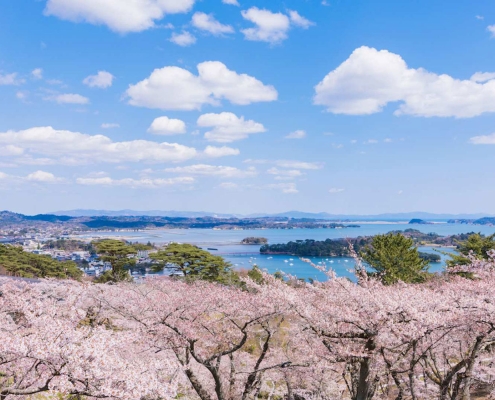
(370, 79)
(11, 150)
(175, 88)
(120, 16)
(299, 20)
(288, 188)
(231, 2)
(484, 139)
(74, 148)
(483, 76)
(213, 170)
(335, 190)
(110, 125)
(228, 127)
(183, 39)
(68, 98)
(299, 134)
(285, 174)
(10, 79)
(167, 126)
(271, 27)
(135, 183)
(491, 29)
(208, 23)
(44, 177)
(215, 152)
(101, 80)
(37, 73)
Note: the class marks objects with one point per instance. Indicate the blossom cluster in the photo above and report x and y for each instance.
(167, 339)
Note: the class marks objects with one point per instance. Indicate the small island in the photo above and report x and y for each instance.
(418, 221)
(255, 240)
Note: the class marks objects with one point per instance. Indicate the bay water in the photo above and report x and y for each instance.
(227, 244)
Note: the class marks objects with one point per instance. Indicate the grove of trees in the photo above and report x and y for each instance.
(267, 339)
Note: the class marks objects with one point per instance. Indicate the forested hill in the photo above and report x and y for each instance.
(143, 222)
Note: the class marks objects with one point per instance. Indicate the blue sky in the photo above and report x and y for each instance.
(340, 106)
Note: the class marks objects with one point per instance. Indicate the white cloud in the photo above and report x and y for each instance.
(299, 20)
(214, 170)
(207, 22)
(68, 98)
(298, 164)
(228, 127)
(55, 82)
(480, 17)
(44, 177)
(491, 29)
(228, 185)
(299, 134)
(37, 73)
(167, 126)
(290, 173)
(22, 95)
(101, 80)
(484, 139)
(183, 39)
(370, 79)
(288, 188)
(175, 88)
(371, 141)
(335, 190)
(11, 150)
(483, 76)
(10, 79)
(231, 2)
(387, 140)
(110, 125)
(135, 183)
(35, 177)
(214, 152)
(269, 27)
(400, 192)
(289, 164)
(73, 148)
(120, 16)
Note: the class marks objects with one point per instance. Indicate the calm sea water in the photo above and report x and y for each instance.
(227, 244)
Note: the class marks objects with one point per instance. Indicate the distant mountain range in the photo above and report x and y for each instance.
(289, 214)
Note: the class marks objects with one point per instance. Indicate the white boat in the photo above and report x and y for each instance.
(291, 264)
(286, 260)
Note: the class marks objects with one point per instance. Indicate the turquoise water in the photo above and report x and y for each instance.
(227, 242)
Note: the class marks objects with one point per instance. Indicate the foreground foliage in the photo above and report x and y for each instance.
(167, 339)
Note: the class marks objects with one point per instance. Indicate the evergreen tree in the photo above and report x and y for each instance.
(394, 257)
(15, 261)
(115, 252)
(476, 244)
(192, 262)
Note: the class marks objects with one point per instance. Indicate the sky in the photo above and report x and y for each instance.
(243, 106)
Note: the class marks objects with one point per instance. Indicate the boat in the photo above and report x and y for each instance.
(291, 264)
(211, 248)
